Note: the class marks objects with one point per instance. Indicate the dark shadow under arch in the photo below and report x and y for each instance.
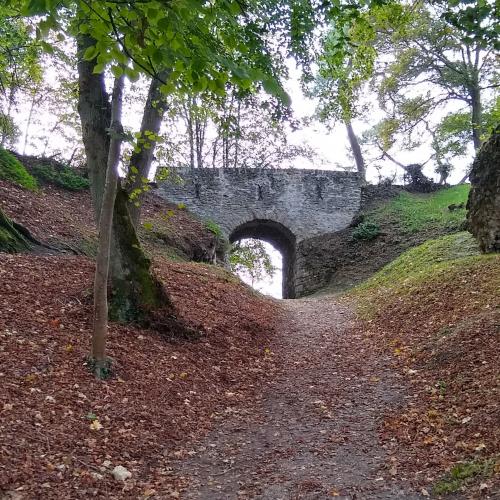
(281, 238)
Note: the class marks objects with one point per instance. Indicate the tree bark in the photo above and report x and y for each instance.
(476, 111)
(152, 117)
(132, 283)
(98, 354)
(136, 292)
(95, 115)
(356, 151)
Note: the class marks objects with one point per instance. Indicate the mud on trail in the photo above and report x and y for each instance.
(313, 430)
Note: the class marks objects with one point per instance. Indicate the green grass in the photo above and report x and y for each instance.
(12, 170)
(462, 473)
(418, 212)
(430, 261)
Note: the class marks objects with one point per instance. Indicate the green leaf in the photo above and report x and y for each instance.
(117, 71)
(91, 53)
(99, 68)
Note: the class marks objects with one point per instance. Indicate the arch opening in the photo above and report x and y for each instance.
(281, 238)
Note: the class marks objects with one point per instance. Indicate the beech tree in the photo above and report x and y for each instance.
(191, 46)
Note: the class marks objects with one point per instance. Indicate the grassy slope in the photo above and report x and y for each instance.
(436, 310)
(414, 213)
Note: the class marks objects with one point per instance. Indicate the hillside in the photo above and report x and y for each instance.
(166, 392)
(436, 311)
(60, 215)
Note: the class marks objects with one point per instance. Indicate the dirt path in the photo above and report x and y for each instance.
(313, 432)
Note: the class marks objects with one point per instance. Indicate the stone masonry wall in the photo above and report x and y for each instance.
(306, 202)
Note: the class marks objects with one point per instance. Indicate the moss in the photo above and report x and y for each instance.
(442, 260)
(135, 290)
(419, 212)
(464, 473)
(11, 240)
(423, 260)
(12, 170)
(62, 176)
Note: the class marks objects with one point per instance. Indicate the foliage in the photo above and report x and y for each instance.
(462, 473)
(214, 228)
(418, 212)
(430, 66)
(476, 21)
(343, 69)
(250, 258)
(366, 230)
(19, 68)
(9, 131)
(11, 169)
(450, 139)
(418, 61)
(63, 176)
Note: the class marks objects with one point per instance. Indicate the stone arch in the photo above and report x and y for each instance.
(281, 238)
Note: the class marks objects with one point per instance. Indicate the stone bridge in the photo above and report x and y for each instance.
(283, 207)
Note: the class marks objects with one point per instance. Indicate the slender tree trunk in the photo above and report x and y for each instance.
(135, 290)
(28, 123)
(105, 233)
(476, 112)
(356, 151)
(154, 110)
(238, 134)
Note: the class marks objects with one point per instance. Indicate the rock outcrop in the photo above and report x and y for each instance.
(484, 199)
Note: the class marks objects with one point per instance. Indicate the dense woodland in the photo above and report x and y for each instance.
(99, 99)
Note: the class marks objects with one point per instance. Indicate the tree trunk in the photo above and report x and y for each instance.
(356, 151)
(136, 292)
(132, 283)
(151, 122)
(95, 114)
(476, 111)
(12, 240)
(98, 354)
(28, 123)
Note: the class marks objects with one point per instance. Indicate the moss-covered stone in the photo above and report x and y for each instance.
(484, 198)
